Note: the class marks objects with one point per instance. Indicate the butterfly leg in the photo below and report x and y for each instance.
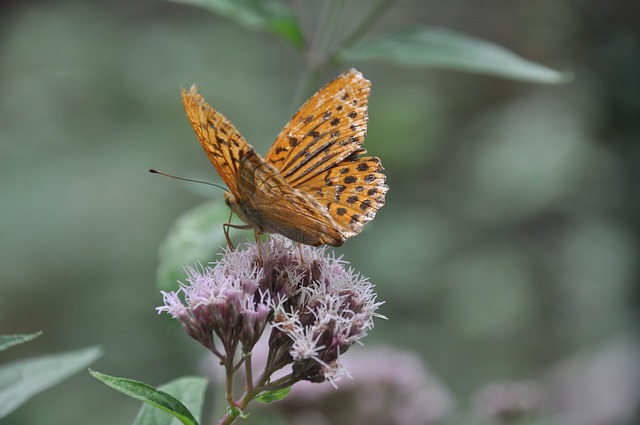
(225, 229)
(227, 226)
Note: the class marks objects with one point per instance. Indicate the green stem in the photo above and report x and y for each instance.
(318, 51)
(375, 13)
(317, 61)
(328, 28)
(305, 87)
(304, 20)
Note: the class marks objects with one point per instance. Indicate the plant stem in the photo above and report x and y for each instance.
(278, 384)
(308, 83)
(251, 392)
(318, 60)
(304, 19)
(248, 372)
(327, 28)
(228, 367)
(372, 17)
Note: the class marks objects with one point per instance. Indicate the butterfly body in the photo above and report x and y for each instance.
(314, 186)
(279, 208)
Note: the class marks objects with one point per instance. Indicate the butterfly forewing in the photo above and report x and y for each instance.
(319, 152)
(329, 127)
(221, 141)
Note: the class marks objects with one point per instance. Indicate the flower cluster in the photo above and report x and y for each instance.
(316, 306)
(222, 304)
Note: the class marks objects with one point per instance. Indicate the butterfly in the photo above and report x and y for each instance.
(314, 186)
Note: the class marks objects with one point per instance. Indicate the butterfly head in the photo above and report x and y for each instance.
(229, 199)
(242, 211)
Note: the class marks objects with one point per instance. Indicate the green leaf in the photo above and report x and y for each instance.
(7, 341)
(440, 48)
(236, 412)
(190, 390)
(275, 395)
(195, 236)
(256, 15)
(21, 380)
(151, 395)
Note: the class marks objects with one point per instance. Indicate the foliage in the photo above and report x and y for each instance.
(21, 380)
(164, 398)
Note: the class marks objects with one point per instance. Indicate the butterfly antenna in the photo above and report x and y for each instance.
(153, 171)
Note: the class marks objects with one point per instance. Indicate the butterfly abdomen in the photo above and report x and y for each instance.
(296, 220)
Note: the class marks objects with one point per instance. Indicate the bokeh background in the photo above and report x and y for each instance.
(507, 251)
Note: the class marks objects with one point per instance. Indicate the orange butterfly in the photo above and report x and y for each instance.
(313, 187)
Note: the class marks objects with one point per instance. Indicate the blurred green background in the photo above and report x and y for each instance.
(508, 244)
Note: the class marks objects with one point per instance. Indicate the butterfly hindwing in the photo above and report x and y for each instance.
(352, 192)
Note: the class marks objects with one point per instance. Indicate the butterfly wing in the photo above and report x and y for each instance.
(319, 152)
(329, 127)
(352, 192)
(221, 141)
